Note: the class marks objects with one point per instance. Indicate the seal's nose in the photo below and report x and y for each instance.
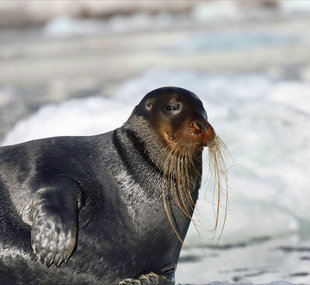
(209, 134)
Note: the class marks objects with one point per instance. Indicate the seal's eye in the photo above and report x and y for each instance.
(171, 107)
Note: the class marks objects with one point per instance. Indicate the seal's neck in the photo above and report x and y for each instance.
(147, 140)
(180, 169)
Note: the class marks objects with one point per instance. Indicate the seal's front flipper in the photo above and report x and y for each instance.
(151, 279)
(54, 226)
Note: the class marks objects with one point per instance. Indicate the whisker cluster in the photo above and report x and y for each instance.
(180, 175)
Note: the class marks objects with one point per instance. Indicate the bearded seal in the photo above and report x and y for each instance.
(108, 209)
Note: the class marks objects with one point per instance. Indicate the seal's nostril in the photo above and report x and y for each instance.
(199, 125)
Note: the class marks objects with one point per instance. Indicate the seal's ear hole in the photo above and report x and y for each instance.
(148, 105)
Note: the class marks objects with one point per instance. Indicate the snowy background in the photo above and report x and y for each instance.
(249, 64)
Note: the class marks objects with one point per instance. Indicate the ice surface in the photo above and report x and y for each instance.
(296, 6)
(208, 12)
(67, 26)
(235, 40)
(216, 10)
(74, 117)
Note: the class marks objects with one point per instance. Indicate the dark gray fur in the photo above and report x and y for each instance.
(104, 192)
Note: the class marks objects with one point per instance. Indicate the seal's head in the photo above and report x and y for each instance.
(178, 116)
